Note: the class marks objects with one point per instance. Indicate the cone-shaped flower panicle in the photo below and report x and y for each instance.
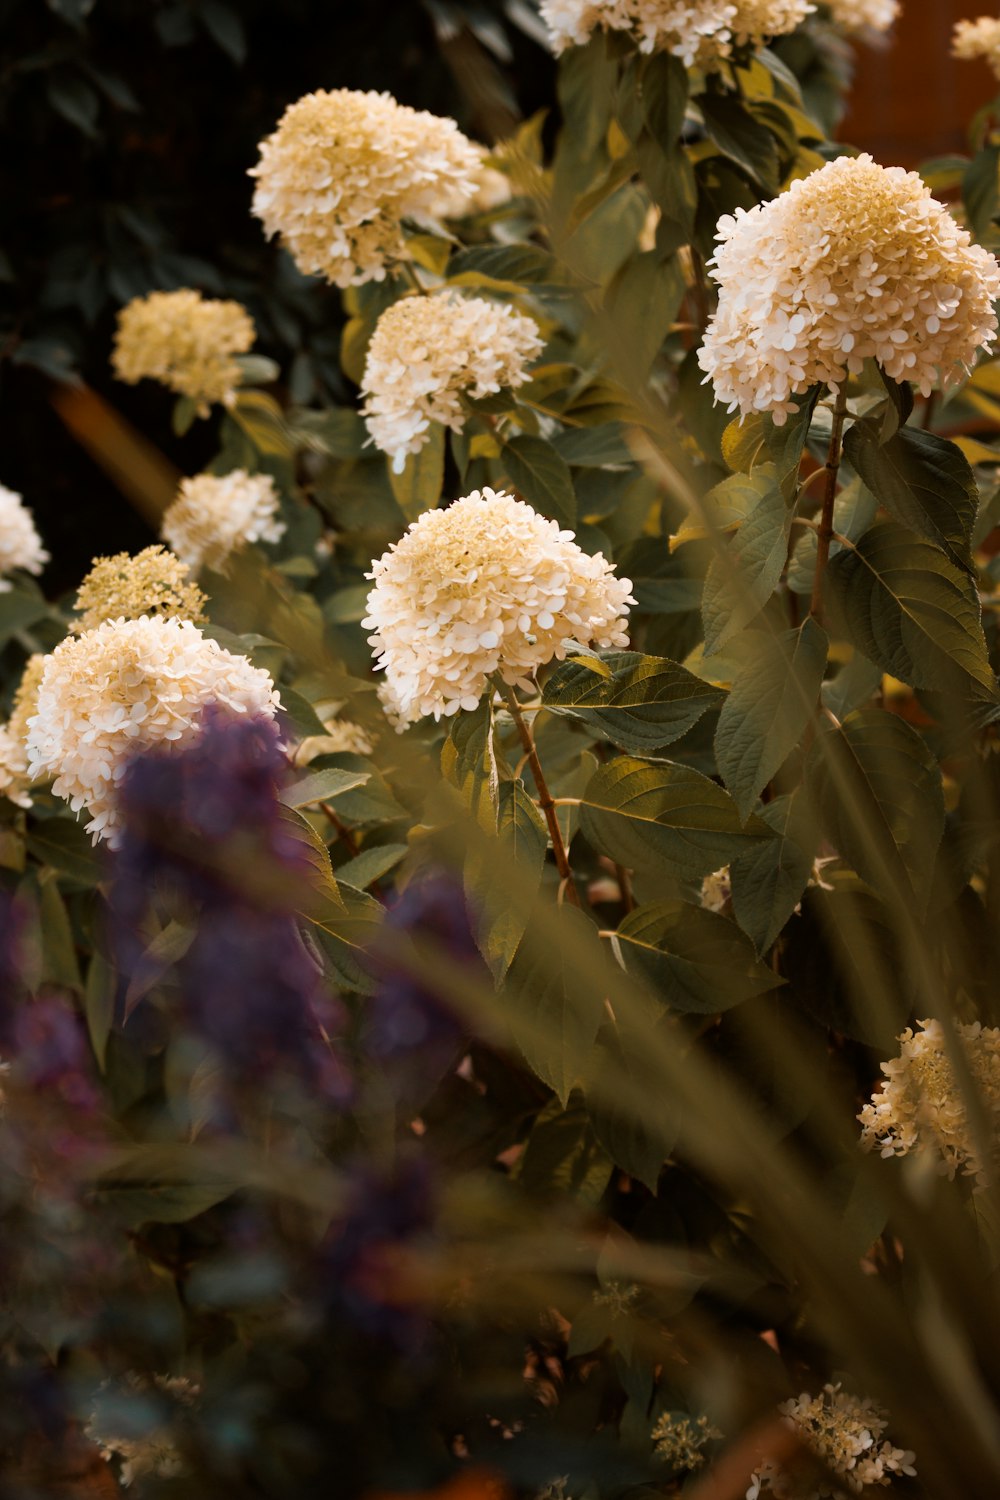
(214, 516)
(486, 585)
(153, 582)
(185, 341)
(426, 352)
(844, 1433)
(977, 39)
(922, 1104)
(20, 544)
(343, 170)
(702, 33)
(126, 686)
(855, 16)
(855, 261)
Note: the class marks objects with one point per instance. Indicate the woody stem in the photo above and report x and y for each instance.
(545, 801)
(825, 534)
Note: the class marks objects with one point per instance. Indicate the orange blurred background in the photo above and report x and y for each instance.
(912, 100)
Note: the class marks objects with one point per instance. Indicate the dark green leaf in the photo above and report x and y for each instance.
(472, 759)
(772, 699)
(925, 481)
(19, 610)
(63, 845)
(694, 960)
(743, 139)
(553, 1017)
(346, 933)
(321, 786)
(99, 1004)
(370, 865)
(502, 914)
(981, 189)
(75, 99)
(542, 477)
(642, 301)
(418, 487)
(665, 818)
(744, 574)
(225, 27)
(563, 1155)
(640, 703)
(767, 883)
(593, 447)
(637, 1137)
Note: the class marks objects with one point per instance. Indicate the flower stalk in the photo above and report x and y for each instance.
(545, 800)
(825, 534)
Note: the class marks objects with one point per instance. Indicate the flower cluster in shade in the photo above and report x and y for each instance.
(845, 1434)
(20, 545)
(185, 341)
(339, 737)
(216, 515)
(136, 1425)
(427, 352)
(343, 169)
(863, 15)
(978, 39)
(123, 587)
(15, 778)
(702, 33)
(204, 830)
(853, 262)
(680, 1441)
(486, 585)
(130, 685)
(491, 189)
(922, 1104)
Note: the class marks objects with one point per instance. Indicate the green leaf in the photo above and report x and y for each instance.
(75, 99)
(663, 82)
(472, 759)
(564, 1156)
(542, 477)
(99, 1004)
(665, 818)
(879, 798)
(981, 190)
(553, 1018)
(694, 960)
(346, 933)
(741, 138)
(165, 1203)
(63, 845)
(593, 447)
(505, 267)
(322, 786)
(317, 889)
(771, 701)
(786, 444)
(223, 24)
(371, 864)
(911, 610)
(263, 421)
(59, 961)
(767, 883)
(502, 914)
(743, 575)
(925, 481)
(639, 703)
(19, 610)
(637, 1137)
(159, 956)
(662, 583)
(642, 301)
(418, 487)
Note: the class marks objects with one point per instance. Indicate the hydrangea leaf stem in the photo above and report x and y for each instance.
(545, 800)
(825, 534)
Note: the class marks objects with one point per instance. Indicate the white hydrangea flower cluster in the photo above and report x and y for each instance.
(491, 189)
(855, 261)
(20, 544)
(972, 40)
(921, 1103)
(15, 778)
(863, 15)
(152, 581)
(150, 1452)
(185, 341)
(485, 586)
(701, 33)
(343, 169)
(679, 1440)
(127, 686)
(426, 352)
(845, 1434)
(717, 890)
(216, 515)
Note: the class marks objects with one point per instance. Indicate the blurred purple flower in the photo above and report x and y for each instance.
(204, 829)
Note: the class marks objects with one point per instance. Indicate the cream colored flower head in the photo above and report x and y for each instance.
(153, 582)
(972, 40)
(702, 33)
(343, 170)
(844, 1433)
(921, 1104)
(153, 1452)
(854, 16)
(215, 516)
(185, 341)
(15, 778)
(427, 352)
(20, 544)
(485, 586)
(127, 686)
(679, 1440)
(341, 737)
(854, 262)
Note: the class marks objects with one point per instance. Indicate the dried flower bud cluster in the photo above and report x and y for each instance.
(20, 544)
(126, 686)
(215, 515)
(486, 585)
(700, 32)
(426, 352)
(921, 1103)
(14, 776)
(845, 1434)
(153, 582)
(185, 341)
(863, 15)
(679, 1441)
(343, 170)
(972, 40)
(854, 262)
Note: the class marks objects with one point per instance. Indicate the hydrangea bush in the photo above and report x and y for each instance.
(498, 904)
